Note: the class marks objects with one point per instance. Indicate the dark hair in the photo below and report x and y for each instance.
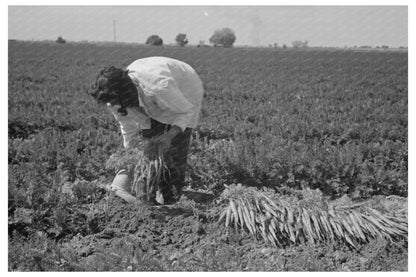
(114, 84)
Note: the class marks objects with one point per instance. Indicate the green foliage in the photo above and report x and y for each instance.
(38, 253)
(154, 40)
(181, 39)
(60, 40)
(329, 120)
(224, 37)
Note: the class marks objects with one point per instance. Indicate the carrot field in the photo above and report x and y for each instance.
(329, 122)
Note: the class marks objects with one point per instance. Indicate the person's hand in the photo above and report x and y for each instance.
(164, 141)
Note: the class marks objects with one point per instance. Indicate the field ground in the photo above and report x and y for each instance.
(333, 121)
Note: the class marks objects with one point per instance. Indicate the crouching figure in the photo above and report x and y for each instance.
(158, 99)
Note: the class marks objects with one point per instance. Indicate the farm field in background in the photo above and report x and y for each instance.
(285, 119)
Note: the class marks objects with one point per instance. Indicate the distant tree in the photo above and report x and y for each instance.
(275, 45)
(300, 44)
(154, 40)
(181, 39)
(284, 46)
(385, 46)
(225, 37)
(60, 40)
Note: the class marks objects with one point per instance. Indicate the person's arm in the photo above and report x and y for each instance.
(170, 98)
(128, 127)
(164, 141)
(173, 132)
(129, 131)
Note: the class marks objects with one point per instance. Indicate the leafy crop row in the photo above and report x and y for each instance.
(333, 120)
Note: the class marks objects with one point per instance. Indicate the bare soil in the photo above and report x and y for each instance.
(183, 237)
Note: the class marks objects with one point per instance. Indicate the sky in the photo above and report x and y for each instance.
(335, 26)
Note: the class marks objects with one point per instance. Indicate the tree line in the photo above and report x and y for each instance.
(222, 37)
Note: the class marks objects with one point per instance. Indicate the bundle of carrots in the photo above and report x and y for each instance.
(282, 221)
(148, 164)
